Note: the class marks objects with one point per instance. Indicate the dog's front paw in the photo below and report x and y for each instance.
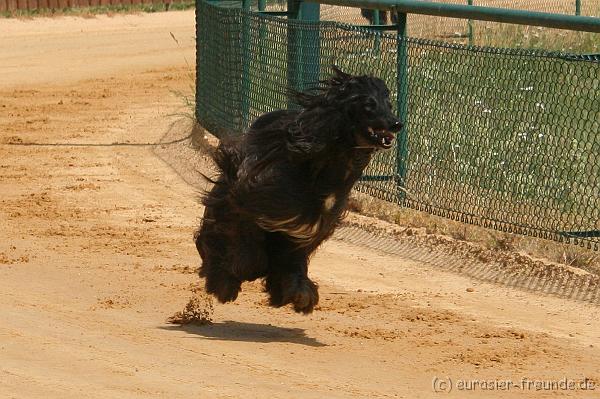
(298, 290)
(222, 285)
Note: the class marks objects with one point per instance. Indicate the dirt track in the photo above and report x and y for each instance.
(97, 253)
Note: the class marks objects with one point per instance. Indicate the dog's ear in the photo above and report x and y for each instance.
(304, 99)
(340, 75)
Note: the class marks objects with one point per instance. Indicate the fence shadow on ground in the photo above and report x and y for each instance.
(538, 277)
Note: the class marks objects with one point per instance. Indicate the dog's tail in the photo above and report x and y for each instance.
(227, 158)
(227, 161)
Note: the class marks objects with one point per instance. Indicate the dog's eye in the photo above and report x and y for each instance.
(370, 104)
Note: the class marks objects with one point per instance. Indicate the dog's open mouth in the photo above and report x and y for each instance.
(381, 137)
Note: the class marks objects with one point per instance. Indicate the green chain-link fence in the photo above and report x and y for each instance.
(504, 138)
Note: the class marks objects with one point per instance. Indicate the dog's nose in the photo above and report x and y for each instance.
(396, 126)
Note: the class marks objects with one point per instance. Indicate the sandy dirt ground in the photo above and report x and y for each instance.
(97, 253)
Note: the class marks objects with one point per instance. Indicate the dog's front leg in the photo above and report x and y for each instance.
(287, 279)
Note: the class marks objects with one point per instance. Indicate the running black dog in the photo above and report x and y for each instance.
(283, 187)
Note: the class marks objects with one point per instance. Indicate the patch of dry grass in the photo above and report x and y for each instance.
(199, 310)
(532, 37)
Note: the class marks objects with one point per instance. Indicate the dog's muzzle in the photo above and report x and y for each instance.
(384, 137)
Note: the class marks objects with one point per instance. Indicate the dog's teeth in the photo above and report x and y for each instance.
(386, 141)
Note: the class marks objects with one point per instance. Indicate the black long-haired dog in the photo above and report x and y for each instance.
(283, 187)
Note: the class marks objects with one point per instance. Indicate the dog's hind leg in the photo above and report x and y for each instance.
(231, 252)
(287, 280)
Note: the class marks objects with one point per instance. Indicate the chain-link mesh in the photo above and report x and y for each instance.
(507, 139)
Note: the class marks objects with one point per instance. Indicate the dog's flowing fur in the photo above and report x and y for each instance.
(283, 187)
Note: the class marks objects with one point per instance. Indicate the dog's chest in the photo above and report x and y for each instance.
(329, 203)
(308, 229)
(318, 217)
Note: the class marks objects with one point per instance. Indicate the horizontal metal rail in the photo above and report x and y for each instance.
(520, 17)
(275, 13)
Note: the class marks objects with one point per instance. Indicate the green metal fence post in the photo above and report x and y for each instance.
(470, 25)
(303, 50)
(310, 45)
(245, 50)
(262, 35)
(577, 7)
(402, 101)
(376, 21)
(293, 7)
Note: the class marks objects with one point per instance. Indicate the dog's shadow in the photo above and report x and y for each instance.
(248, 332)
